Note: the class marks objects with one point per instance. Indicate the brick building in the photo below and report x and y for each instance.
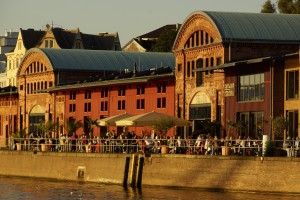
(219, 55)
(57, 84)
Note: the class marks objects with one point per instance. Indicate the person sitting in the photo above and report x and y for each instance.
(297, 146)
(286, 146)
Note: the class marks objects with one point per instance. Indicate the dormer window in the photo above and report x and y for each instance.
(48, 43)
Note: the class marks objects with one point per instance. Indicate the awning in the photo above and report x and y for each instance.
(147, 119)
(110, 121)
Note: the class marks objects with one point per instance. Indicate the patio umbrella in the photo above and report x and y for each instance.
(110, 121)
(147, 119)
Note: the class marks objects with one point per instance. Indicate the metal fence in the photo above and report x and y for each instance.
(151, 146)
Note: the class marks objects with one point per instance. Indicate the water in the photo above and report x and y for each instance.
(16, 188)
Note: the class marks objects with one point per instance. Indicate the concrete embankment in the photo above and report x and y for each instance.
(206, 172)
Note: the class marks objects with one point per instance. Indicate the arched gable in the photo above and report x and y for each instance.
(195, 25)
(34, 61)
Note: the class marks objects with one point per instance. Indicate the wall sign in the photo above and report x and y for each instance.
(229, 90)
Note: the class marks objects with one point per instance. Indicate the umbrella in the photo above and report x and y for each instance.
(147, 119)
(110, 121)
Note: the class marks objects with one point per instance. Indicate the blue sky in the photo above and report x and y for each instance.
(130, 18)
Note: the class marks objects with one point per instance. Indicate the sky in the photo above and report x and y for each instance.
(130, 18)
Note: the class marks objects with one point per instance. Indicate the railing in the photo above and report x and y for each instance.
(147, 146)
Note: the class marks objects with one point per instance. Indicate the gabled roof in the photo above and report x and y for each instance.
(97, 60)
(149, 39)
(156, 33)
(254, 27)
(31, 37)
(64, 38)
(99, 42)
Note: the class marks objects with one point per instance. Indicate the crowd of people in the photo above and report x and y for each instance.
(129, 142)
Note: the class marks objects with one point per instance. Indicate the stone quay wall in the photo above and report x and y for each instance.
(231, 173)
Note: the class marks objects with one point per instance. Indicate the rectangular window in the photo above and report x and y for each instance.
(219, 61)
(199, 75)
(162, 87)
(251, 124)
(292, 118)
(140, 89)
(104, 106)
(251, 87)
(72, 95)
(188, 74)
(121, 105)
(179, 67)
(292, 84)
(140, 104)
(161, 102)
(158, 103)
(87, 107)
(88, 94)
(121, 90)
(104, 92)
(72, 108)
(51, 43)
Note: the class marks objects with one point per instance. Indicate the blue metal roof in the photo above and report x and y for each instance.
(254, 27)
(99, 60)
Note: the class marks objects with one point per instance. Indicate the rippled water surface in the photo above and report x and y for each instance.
(39, 189)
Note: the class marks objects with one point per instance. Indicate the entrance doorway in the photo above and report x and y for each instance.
(36, 118)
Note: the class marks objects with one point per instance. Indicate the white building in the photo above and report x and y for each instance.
(7, 44)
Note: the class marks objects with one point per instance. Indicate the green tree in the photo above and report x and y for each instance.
(47, 127)
(280, 124)
(91, 124)
(268, 7)
(289, 6)
(19, 134)
(162, 126)
(165, 41)
(73, 125)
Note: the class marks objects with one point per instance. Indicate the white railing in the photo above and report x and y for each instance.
(147, 146)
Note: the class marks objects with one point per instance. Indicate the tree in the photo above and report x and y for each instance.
(91, 124)
(231, 125)
(289, 6)
(165, 41)
(73, 125)
(19, 134)
(268, 7)
(284, 6)
(162, 126)
(47, 127)
(280, 124)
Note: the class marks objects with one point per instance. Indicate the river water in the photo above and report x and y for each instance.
(16, 188)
